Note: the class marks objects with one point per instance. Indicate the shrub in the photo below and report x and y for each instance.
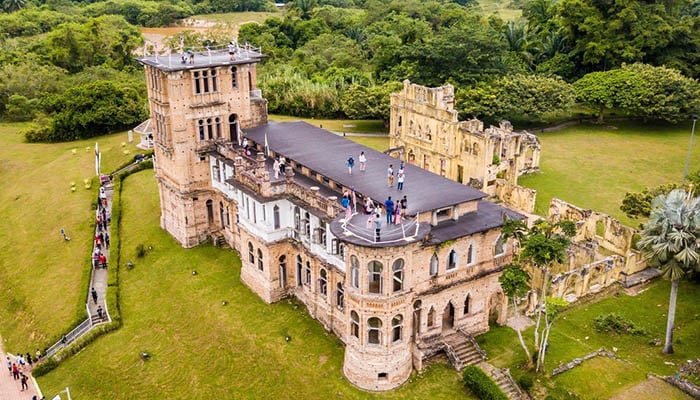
(44, 367)
(140, 251)
(614, 322)
(526, 382)
(481, 384)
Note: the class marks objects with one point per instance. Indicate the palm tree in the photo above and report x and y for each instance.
(670, 240)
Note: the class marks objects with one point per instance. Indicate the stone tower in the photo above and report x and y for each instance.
(197, 101)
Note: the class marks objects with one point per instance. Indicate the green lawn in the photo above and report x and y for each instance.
(593, 166)
(202, 349)
(573, 336)
(237, 18)
(40, 274)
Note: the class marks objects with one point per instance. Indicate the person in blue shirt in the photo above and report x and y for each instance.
(351, 163)
(389, 204)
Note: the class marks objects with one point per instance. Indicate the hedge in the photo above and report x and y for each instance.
(112, 298)
(481, 384)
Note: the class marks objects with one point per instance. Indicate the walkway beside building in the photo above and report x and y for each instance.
(98, 281)
(11, 389)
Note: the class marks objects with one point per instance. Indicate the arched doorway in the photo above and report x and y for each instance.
(497, 309)
(210, 211)
(283, 271)
(233, 129)
(448, 317)
(416, 318)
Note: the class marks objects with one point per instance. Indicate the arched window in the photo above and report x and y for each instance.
(374, 331)
(234, 77)
(251, 253)
(398, 275)
(452, 260)
(399, 121)
(299, 267)
(396, 328)
(467, 301)
(498, 247)
(283, 271)
(375, 277)
(276, 217)
(260, 260)
(471, 254)
(307, 272)
(210, 211)
(434, 265)
(411, 157)
(217, 122)
(339, 296)
(431, 317)
(210, 129)
(323, 282)
(354, 324)
(354, 272)
(475, 149)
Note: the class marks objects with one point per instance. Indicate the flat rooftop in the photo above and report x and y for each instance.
(326, 153)
(202, 58)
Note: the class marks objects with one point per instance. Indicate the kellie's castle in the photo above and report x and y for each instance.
(428, 284)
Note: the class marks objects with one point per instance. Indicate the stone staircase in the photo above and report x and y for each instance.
(218, 240)
(505, 381)
(462, 350)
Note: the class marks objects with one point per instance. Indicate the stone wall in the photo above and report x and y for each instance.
(516, 196)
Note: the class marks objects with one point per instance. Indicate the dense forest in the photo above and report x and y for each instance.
(69, 66)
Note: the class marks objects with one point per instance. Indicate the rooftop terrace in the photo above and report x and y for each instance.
(184, 59)
(326, 153)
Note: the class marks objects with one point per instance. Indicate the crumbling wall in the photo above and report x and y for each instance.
(610, 233)
(516, 196)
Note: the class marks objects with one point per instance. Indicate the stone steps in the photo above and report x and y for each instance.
(461, 350)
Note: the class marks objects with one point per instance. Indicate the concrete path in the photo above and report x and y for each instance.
(11, 389)
(99, 275)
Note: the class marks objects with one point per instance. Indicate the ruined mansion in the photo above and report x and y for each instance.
(427, 285)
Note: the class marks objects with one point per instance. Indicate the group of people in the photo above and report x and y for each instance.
(351, 162)
(21, 364)
(279, 166)
(103, 219)
(400, 176)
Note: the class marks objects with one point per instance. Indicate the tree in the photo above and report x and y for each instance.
(671, 240)
(90, 110)
(614, 89)
(541, 247)
(13, 5)
(515, 282)
(666, 94)
(638, 204)
(516, 96)
(369, 102)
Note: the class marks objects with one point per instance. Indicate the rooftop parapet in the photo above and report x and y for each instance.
(171, 60)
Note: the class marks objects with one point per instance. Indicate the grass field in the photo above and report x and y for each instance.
(205, 350)
(573, 336)
(593, 166)
(502, 8)
(40, 274)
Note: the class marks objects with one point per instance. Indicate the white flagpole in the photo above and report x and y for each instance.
(97, 159)
(267, 147)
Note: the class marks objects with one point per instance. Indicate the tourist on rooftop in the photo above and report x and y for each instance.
(389, 204)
